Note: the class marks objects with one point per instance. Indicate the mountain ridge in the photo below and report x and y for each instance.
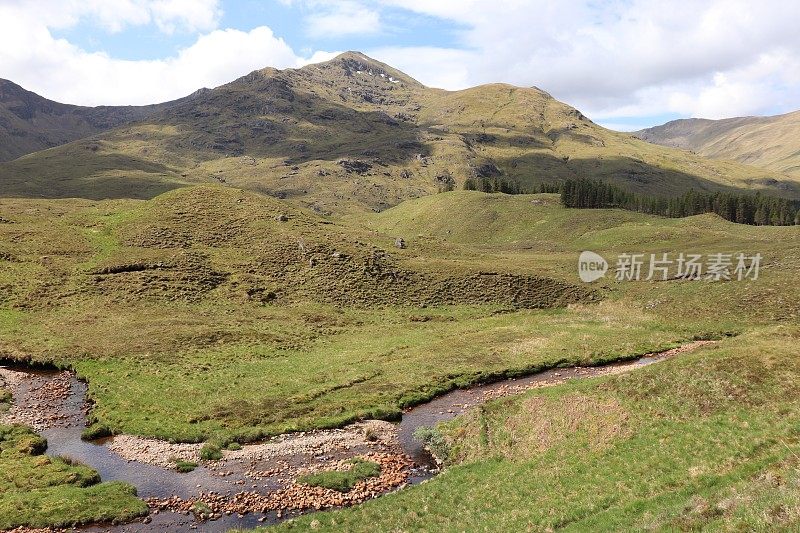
(769, 142)
(354, 133)
(30, 122)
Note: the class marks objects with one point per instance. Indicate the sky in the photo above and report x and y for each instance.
(626, 64)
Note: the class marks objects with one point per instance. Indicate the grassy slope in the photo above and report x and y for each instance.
(177, 331)
(199, 320)
(535, 138)
(39, 491)
(706, 441)
(29, 122)
(767, 142)
(283, 132)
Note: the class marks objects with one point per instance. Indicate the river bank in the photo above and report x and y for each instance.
(256, 484)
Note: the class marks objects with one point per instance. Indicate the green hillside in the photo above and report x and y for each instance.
(29, 122)
(211, 313)
(355, 134)
(212, 277)
(706, 441)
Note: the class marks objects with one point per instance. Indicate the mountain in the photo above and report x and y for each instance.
(354, 133)
(29, 122)
(768, 142)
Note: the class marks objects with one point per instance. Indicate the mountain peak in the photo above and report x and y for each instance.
(355, 63)
(11, 91)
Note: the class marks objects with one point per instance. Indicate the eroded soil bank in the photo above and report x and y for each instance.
(257, 484)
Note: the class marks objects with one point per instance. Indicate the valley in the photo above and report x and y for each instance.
(766, 142)
(121, 313)
(272, 303)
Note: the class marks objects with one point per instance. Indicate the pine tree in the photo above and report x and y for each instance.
(744, 209)
(761, 217)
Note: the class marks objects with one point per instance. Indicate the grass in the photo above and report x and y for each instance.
(705, 441)
(5, 400)
(343, 481)
(210, 452)
(41, 491)
(96, 432)
(184, 467)
(140, 337)
(163, 315)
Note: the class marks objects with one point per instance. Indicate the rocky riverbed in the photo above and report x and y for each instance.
(254, 485)
(259, 483)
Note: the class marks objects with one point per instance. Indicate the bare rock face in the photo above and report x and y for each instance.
(355, 166)
(487, 169)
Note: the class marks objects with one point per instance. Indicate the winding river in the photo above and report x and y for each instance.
(60, 418)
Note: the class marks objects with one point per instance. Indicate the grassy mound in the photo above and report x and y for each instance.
(39, 491)
(218, 244)
(343, 481)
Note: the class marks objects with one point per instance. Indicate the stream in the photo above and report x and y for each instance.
(54, 404)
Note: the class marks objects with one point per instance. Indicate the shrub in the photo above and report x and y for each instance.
(434, 442)
(210, 452)
(201, 509)
(96, 431)
(5, 398)
(31, 444)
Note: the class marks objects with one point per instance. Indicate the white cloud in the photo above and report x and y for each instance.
(338, 18)
(635, 57)
(191, 14)
(116, 15)
(57, 69)
(441, 67)
(317, 57)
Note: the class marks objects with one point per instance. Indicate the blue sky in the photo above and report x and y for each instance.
(625, 63)
(400, 28)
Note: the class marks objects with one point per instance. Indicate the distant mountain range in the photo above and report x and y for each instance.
(29, 122)
(768, 142)
(351, 133)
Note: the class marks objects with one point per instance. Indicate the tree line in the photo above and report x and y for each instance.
(755, 209)
(495, 184)
(585, 193)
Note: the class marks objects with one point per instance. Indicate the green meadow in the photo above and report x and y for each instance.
(205, 315)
